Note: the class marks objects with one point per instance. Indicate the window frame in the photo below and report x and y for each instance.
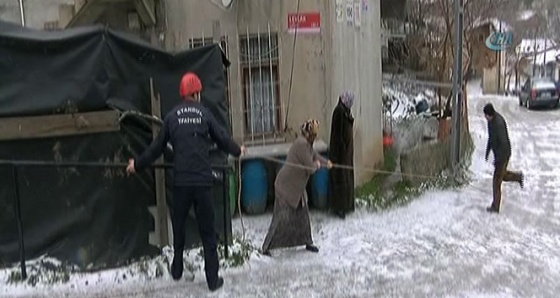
(247, 66)
(277, 102)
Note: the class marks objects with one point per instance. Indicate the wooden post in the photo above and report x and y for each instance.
(161, 225)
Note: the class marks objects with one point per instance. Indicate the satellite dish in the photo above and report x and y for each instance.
(223, 4)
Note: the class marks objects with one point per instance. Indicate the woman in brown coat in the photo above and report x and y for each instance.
(290, 224)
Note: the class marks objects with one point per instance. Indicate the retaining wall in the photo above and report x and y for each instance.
(431, 158)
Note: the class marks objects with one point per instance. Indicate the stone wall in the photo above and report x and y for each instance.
(431, 158)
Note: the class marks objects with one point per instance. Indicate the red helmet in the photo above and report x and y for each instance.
(190, 84)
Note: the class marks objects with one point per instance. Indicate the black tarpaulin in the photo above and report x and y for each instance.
(90, 216)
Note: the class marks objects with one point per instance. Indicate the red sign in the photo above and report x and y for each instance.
(304, 22)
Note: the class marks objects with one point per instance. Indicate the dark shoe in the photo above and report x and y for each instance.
(218, 285)
(266, 253)
(312, 248)
(492, 209)
(177, 269)
(522, 181)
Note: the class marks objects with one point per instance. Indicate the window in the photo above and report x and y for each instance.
(200, 42)
(260, 83)
(50, 26)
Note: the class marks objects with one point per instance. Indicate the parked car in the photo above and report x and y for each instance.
(539, 92)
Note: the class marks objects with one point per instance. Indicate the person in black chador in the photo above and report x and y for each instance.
(191, 128)
(498, 142)
(341, 152)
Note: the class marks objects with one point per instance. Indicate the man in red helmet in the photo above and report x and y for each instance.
(190, 128)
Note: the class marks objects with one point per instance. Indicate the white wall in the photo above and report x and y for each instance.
(356, 66)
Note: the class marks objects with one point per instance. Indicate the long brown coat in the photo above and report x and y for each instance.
(291, 181)
(341, 151)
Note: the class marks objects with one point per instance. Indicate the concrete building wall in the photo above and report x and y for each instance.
(37, 12)
(356, 65)
(490, 81)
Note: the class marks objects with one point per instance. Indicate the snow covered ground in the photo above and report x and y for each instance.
(443, 244)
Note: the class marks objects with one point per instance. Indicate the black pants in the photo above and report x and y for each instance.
(201, 197)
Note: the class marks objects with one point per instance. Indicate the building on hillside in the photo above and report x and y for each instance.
(277, 78)
(532, 60)
(547, 64)
(486, 63)
(540, 57)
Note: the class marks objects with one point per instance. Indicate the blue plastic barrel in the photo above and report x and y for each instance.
(319, 188)
(254, 186)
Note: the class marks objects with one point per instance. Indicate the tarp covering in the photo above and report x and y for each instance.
(90, 216)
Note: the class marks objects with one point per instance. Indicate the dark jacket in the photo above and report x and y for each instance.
(190, 128)
(498, 139)
(341, 151)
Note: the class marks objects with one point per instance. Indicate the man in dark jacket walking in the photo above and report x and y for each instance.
(341, 152)
(498, 142)
(191, 128)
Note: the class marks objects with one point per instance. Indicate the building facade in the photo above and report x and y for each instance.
(279, 76)
(487, 64)
(37, 14)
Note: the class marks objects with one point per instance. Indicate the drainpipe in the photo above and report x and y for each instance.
(22, 12)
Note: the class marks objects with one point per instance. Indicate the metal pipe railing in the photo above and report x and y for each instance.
(17, 164)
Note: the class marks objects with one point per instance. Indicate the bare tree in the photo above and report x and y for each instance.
(432, 39)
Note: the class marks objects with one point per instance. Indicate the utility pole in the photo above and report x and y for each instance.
(546, 36)
(517, 50)
(22, 12)
(457, 86)
(535, 50)
(499, 55)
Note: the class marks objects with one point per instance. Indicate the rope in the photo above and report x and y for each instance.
(345, 167)
(239, 200)
(339, 166)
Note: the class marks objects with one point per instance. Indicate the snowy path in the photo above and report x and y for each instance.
(441, 245)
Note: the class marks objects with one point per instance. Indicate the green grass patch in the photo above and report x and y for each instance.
(375, 185)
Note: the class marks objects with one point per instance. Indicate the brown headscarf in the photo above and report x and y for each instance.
(310, 128)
